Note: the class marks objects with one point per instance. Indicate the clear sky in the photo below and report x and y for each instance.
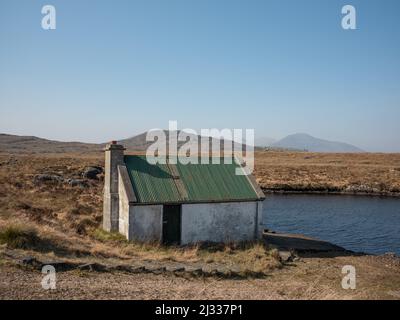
(113, 69)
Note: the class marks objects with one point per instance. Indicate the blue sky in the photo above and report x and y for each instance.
(113, 69)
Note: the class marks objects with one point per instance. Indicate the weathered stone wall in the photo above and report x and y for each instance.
(220, 222)
(114, 156)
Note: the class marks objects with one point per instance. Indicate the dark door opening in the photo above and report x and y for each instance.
(172, 224)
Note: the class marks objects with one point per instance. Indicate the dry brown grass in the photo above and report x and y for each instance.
(19, 236)
(73, 214)
(252, 256)
(329, 172)
(54, 204)
(59, 221)
(69, 218)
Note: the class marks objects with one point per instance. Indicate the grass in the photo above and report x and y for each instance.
(62, 222)
(69, 219)
(104, 236)
(328, 172)
(251, 256)
(41, 239)
(19, 237)
(246, 256)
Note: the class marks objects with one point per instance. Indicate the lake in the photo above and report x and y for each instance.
(358, 223)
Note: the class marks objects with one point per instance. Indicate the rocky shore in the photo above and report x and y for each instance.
(349, 190)
(371, 174)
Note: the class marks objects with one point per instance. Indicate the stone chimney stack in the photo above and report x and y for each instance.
(114, 156)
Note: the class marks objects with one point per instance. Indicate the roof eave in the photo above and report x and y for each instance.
(197, 202)
(126, 181)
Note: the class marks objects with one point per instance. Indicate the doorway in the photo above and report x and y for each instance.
(172, 224)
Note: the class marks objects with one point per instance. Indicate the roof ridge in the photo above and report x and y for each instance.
(180, 186)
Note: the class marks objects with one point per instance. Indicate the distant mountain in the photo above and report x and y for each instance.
(302, 141)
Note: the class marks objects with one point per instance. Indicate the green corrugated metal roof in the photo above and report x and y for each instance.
(159, 183)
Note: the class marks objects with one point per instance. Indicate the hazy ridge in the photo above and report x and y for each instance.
(303, 141)
(31, 144)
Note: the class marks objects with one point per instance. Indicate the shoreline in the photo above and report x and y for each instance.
(329, 192)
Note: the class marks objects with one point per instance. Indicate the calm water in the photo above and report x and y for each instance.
(364, 224)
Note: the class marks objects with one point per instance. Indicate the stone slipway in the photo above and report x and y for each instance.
(299, 243)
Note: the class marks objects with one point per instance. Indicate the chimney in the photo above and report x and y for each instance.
(114, 156)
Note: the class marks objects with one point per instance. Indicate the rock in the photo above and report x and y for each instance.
(123, 268)
(41, 178)
(154, 268)
(390, 254)
(285, 256)
(359, 188)
(194, 270)
(92, 267)
(175, 268)
(77, 183)
(30, 261)
(92, 172)
(159, 270)
(268, 231)
(214, 273)
(138, 269)
(61, 265)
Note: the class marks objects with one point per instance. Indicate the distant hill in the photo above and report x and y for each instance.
(30, 144)
(303, 141)
(139, 143)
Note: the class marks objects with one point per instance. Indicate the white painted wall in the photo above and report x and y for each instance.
(123, 218)
(217, 222)
(220, 222)
(260, 226)
(145, 223)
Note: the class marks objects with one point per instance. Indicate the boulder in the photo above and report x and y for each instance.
(77, 183)
(285, 256)
(41, 178)
(92, 172)
(93, 267)
(32, 262)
